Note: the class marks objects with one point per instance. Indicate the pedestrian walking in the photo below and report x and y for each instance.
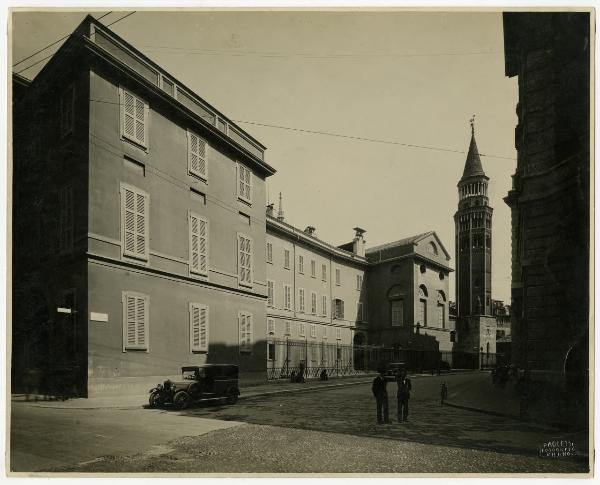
(379, 389)
(404, 387)
(444, 392)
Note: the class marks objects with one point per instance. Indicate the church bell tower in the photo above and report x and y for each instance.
(473, 240)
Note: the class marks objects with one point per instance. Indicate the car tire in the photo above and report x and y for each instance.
(154, 400)
(232, 395)
(181, 400)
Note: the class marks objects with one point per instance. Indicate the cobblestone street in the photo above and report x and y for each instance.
(313, 431)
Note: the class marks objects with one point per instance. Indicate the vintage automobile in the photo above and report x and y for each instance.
(393, 369)
(198, 383)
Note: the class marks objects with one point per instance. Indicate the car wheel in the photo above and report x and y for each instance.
(155, 400)
(232, 395)
(181, 400)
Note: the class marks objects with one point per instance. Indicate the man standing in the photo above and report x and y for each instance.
(404, 387)
(380, 392)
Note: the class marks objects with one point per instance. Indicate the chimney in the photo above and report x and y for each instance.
(358, 243)
(280, 213)
(271, 210)
(310, 230)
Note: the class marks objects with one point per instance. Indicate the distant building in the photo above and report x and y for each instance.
(408, 295)
(476, 325)
(550, 198)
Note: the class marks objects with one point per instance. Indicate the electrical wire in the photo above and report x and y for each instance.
(53, 43)
(339, 135)
(48, 57)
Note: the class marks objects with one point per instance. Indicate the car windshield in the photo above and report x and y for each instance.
(192, 374)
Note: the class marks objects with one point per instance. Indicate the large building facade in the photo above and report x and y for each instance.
(550, 198)
(138, 218)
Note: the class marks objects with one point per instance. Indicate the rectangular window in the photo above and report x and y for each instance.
(244, 183)
(324, 333)
(422, 315)
(197, 156)
(287, 295)
(338, 279)
(313, 268)
(246, 328)
(270, 351)
(269, 252)
(135, 321)
(270, 292)
(288, 328)
(301, 300)
(301, 330)
(441, 316)
(338, 308)
(65, 226)
(324, 272)
(313, 303)
(359, 311)
(198, 327)
(134, 118)
(324, 306)
(135, 222)
(198, 227)
(67, 109)
(286, 258)
(313, 331)
(359, 282)
(397, 313)
(244, 260)
(301, 264)
(338, 336)
(270, 326)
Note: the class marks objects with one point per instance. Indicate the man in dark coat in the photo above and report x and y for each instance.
(404, 387)
(380, 392)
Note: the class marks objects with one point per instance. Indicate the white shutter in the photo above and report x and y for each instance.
(134, 118)
(245, 322)
(244, 260)
(135, 207)
(197, 149)
(198, 327)
(198, 244)
(135, 321)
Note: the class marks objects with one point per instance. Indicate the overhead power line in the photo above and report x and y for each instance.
(48, 57)
(350, 137)
(50, 45)
(371, 140)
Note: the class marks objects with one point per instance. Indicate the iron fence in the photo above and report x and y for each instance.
(287, 357)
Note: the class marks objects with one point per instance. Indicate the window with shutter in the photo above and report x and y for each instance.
(338, 336)
(135, 321)
(313, 268)
(269, 252)
(134, 118)
(198, 327)
(324, 272)
(244, 260)
(270, 292)
(244, 183)
(198, 244)
(135, 222)
(313, 303)
(67, 108)
(287, 297)
(301, 300)
(301, 330)
(337, 277)
(197, 156)
(313, 330)
(301, 264)
(286, 258)
(270, 326)
(288, 328)
(245, 322)
(65, 225)
(324, 306)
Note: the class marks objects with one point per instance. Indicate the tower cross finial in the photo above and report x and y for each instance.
(472, 121)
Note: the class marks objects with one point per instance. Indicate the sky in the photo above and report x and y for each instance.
(411, 78)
